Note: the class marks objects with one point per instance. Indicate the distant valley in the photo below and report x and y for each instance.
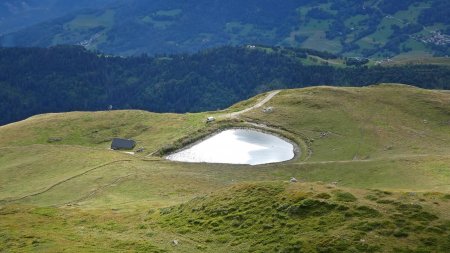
(19, 14)
(371, 28)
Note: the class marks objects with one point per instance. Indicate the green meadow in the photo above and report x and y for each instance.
(373, 176)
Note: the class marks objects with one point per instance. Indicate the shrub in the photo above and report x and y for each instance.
(365, 211)
(311, 207)
(424, 216)
(386, 201)
(323, 195)
(345, 197)
(45, 211)
(371, 197)
(400, 233)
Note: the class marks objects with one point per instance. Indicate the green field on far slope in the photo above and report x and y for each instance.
(374, 173)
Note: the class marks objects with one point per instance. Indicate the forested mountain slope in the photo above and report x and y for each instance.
(369, 28)
(67, 78)
(17, 14)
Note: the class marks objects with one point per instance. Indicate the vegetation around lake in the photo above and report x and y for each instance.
(374, 178)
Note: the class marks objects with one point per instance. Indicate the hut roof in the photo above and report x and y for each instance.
(118, 143)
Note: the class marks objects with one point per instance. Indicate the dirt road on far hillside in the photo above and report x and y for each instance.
(259, 104)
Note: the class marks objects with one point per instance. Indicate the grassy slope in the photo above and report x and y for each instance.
(385, 137)
(364, 123)
(286, 217)
(97, 128)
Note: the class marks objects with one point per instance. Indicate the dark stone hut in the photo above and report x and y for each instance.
(122, 144)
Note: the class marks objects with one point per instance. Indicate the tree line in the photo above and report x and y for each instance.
(67, 78)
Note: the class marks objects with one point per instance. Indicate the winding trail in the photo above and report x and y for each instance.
(64, 181)
(258, 105)
(391, 158)
(94, 192)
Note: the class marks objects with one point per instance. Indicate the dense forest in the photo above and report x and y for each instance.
(67, 78)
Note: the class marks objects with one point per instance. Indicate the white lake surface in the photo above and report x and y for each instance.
(237, 146)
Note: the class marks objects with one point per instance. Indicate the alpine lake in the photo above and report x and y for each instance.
(237, 146)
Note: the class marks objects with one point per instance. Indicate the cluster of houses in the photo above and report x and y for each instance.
(435, 38)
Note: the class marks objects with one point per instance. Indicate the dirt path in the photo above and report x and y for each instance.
(94, 192)
(391, 158)
(258, 105)
(63, 181)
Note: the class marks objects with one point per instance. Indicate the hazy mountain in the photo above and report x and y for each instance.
(353, 27)
(16, 14)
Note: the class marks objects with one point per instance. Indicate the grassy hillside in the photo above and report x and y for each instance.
(373, 174)
(364, 123)
(249, 217)
(289, 217)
